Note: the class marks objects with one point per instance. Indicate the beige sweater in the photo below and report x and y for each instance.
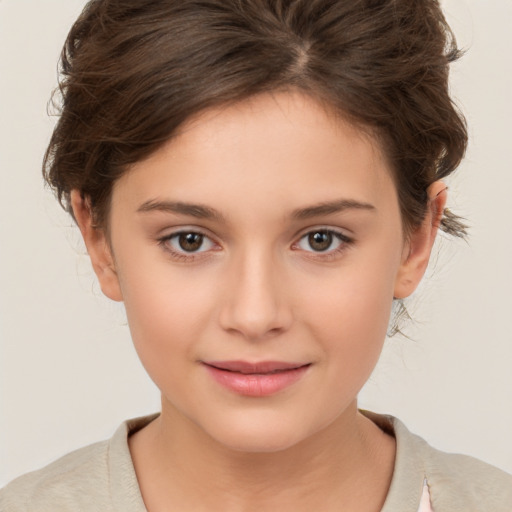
(101, 478)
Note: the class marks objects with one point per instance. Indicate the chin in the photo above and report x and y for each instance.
(260, 433)
(258, 442)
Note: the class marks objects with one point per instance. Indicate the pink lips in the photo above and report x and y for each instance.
(255, 379)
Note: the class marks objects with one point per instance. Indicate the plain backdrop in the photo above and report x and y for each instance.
(68, 372)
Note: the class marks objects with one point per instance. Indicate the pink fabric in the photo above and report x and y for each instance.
(425, 505)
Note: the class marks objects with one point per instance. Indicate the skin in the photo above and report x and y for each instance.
(258, 290)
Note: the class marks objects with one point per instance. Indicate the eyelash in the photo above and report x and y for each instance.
(183, 256)
(328, 255)
(344, 243)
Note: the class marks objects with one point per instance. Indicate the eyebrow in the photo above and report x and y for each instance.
(330, 207)
(193, 210)
(205, 212)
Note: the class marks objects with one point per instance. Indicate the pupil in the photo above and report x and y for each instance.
(320, 241)
(191, 241)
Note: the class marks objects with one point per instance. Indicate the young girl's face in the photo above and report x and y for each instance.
(258, 254)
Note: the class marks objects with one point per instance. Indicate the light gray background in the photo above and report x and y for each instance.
(68, 372)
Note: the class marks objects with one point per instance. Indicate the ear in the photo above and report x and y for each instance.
(97, 246)
(419, 244)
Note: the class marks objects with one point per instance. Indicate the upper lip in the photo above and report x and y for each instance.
(249, 368)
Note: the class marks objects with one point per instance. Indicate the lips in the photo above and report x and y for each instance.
(246, 368)
(256, 379)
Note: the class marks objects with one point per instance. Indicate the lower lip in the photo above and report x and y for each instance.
(257, 384)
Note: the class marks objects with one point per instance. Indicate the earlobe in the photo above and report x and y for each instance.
(98, 247)
(419, 245)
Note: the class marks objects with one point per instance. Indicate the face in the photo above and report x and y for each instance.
(258, 254)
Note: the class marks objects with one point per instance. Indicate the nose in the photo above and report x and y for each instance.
(255, 304)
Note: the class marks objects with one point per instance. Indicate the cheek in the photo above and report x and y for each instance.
(352, 313)
(353, 333)
(167, 311)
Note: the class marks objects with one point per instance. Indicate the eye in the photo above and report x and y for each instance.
(188, 242)
(322, 241)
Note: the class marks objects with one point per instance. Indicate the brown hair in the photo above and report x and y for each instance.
(134, 71)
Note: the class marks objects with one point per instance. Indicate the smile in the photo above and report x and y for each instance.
(256, 379)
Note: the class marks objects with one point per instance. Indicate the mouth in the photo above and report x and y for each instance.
(256, 379)
(262, 368)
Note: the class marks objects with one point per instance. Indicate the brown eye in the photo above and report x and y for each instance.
(190, 242)
(320, 240)
(187, 242)
(323, 240)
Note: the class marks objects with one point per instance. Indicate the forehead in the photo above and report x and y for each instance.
(285, 149)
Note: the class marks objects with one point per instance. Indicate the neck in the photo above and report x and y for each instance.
(342, 467)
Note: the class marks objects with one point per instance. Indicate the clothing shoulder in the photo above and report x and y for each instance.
(456, 482)
(97, 478)
(472, 484)
(64, 485)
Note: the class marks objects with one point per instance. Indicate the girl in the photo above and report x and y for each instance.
(259, 182)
